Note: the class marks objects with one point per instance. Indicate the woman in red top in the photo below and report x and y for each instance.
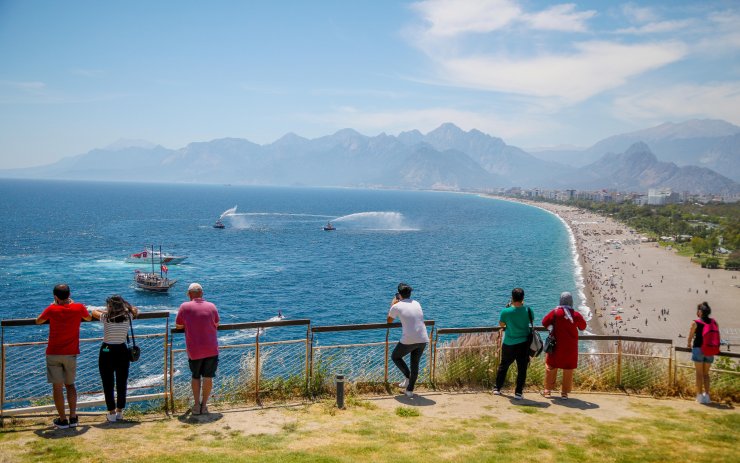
(564, 322)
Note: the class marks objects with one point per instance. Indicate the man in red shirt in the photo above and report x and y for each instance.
(199, 319)
(64, 317)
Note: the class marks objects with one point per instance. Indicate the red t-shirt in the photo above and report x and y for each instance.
(201, 328)
(64, 328)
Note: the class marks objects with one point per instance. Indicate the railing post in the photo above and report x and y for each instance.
(164, 368)
(2, 374)
(670, 364)
(172, 373)
(385, 375)
(619, 362)
(309, 357)
(257, 369)
(434, 359)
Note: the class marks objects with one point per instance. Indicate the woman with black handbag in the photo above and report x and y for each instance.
(564, 324)
(113, 361)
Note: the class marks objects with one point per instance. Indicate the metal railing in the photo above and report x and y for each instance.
(248, 370)
(365, 365)
(23, 386)
(302, 360)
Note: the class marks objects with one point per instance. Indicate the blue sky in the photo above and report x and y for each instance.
(78, 75)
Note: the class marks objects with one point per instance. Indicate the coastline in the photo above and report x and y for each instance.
(637, 288)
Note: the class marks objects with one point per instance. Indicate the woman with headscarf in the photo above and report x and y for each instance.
(564, 324)
(113, 361)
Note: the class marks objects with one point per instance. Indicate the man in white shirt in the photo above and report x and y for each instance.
(414, 338)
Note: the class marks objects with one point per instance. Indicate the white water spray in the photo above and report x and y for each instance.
(394, 221)
(228, 212)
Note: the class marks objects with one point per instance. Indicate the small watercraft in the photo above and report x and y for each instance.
(219, 224)
(146, 255)
(329, 227)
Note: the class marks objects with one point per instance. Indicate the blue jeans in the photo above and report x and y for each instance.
(698, 356)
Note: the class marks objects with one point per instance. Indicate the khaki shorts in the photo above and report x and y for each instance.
(61, 369)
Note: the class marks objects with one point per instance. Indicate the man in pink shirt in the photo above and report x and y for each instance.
(199, 319)
(64, 317)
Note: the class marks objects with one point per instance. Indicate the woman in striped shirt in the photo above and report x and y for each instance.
(113, 361)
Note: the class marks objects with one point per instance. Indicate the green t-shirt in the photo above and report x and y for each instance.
(517, 324)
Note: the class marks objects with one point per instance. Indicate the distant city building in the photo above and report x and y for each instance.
(662, 196)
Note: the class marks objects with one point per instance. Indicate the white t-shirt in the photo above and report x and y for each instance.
(412, 321)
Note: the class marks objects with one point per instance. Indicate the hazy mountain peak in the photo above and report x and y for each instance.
(446, 130)
(638, 148)
(123, 143)
(289, 139)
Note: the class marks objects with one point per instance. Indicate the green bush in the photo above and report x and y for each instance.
(710, 262)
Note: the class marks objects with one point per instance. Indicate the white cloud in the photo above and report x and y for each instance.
(638, 13)
(560, 18)
(446, 18)
(657, 27)
(591, 69)
(25, 86)
(715, 100)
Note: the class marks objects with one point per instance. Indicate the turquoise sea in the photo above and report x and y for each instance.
(462, 253)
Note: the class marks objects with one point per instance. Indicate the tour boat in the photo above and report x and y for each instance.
(146, 255)
(151, 281)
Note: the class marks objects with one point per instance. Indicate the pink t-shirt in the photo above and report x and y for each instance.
(200, 319)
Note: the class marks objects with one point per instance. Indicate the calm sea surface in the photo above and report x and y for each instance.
(461, 253)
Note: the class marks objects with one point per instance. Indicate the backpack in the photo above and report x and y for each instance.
(710, 337)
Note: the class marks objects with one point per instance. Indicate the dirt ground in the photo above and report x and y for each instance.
(432, 405)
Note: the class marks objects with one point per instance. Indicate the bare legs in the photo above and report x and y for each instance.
(58, 394)
(702, 377)
(205, 392)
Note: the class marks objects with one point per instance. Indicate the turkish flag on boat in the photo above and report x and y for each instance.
(164, 268)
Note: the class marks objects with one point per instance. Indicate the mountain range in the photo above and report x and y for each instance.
(446, 158)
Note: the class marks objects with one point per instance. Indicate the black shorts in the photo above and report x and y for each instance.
(205, 367)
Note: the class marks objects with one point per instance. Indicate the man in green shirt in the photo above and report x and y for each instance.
(514, 320)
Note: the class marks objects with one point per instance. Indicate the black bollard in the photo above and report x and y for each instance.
(340, 392)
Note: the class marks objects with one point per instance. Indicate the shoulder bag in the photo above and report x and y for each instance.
(550, 340)
(134, 352)
(535, 345)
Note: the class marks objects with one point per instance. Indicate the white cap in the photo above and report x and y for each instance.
(195, 288)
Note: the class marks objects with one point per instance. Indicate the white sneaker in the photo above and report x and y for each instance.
(706, 399)
(496, 391)
(111, 417)
(119, 415)
(518, 396)
(408, 393)
(700, 398)
(404, 384)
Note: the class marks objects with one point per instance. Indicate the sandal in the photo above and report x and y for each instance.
(195, 410)
(204, 410)
(547, 394)
(564, 396)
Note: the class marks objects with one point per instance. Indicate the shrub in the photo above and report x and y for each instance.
(710, 262)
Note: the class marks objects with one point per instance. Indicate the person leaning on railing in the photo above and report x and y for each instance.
(113, 359)
(564, 323)
(199, 318)
(702, 361)
(413, 339)
(64, 317)
(514, 320)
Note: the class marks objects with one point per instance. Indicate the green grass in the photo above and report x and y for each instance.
(656, 433)
(407, 412)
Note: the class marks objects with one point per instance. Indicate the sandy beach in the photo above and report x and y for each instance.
(636, 288)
